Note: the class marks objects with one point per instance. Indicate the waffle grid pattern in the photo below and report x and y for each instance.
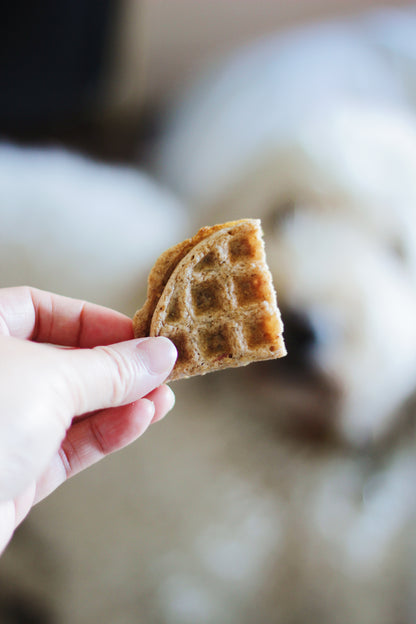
(226, 283)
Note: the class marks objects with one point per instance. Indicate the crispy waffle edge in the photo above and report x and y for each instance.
(263, 330)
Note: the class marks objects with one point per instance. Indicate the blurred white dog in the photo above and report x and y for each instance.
(315, 132)
(81, 228)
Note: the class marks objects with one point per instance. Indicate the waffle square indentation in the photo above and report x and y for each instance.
(206, 296)
(260, 329)
(173, 313)
(206, 263)
(251, 288)
(240, 247)
(184, 348)
(215, 342)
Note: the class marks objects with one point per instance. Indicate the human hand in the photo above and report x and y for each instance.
(63, 409)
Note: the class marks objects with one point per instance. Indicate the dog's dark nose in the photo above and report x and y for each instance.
(300, 337)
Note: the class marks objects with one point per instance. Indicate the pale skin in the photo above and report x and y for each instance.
(63, 409)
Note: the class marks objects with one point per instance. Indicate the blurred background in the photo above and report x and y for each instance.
(284, 492)
(95, 74)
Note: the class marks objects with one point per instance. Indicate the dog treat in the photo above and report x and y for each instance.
(213, 296)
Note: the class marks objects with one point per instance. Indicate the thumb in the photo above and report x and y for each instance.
(115, 375)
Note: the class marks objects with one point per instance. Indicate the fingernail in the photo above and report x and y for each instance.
(158, 354)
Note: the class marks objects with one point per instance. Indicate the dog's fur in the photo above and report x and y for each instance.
(315, 133)
(81, 228)
(285, 493)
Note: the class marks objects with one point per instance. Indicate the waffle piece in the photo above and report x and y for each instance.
(213, 296)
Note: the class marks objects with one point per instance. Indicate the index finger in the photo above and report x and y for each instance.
(41, 316)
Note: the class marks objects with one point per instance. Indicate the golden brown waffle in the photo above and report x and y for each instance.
(213, 296)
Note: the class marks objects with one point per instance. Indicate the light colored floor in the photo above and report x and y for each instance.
(215, 517)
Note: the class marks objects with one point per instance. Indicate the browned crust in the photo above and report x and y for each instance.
(213, 296)
(161, 272)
